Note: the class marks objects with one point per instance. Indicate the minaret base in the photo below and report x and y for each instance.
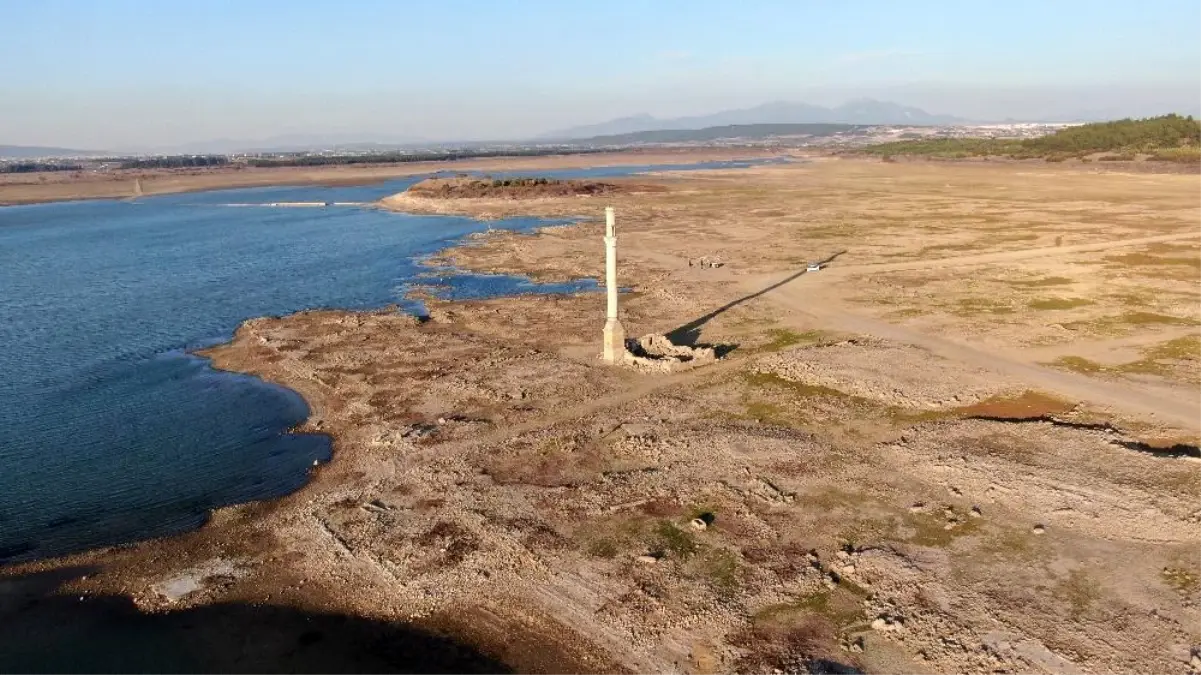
(614, 342)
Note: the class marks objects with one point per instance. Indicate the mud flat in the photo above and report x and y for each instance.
(33, 188)
(823, 498)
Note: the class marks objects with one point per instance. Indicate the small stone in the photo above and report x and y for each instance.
(848, 569)
(976, 512)
(857, 645)
(647, 559)
(441, 420)
(843, 555)
(698, 524)
(886, 624)
(1039, 529)
(917, 507)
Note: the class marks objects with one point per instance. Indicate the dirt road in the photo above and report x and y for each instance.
(1165, 405)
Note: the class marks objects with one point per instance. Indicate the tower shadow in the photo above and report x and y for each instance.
(690, 333)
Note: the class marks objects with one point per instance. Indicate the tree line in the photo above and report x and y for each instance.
(1169, 138)
(34, 167)
(175, 162)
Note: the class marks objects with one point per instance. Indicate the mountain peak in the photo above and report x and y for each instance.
(855, 111)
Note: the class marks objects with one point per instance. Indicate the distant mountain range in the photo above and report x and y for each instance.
(36, 151)
(744, 131)
(861, 111)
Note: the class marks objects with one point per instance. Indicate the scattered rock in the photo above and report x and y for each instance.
(917, 507)
(698, 524)
(1039, 529)
(658, 353)
(198, 578)
(647, 559)
(887, 624)
(976, 512)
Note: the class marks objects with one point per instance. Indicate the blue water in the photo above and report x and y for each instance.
(110, 431)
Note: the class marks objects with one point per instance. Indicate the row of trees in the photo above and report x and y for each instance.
(1170, 137)
(175, 162)
(34, 167)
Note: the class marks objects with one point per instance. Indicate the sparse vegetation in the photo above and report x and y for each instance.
(1059, 303)
(783, 338)
(477, 188)
(1041, 283)
(1080, 590)
(1167, 138)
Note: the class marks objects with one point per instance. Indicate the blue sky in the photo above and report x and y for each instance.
(119, 73)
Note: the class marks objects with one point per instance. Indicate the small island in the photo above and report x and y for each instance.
(489, 198)
(463, 187)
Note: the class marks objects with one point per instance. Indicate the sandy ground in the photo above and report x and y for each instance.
(895, 468)
(119, 184)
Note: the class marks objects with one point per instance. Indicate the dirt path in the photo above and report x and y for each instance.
(1003, 256)
(1165, 405)
(1101, 348)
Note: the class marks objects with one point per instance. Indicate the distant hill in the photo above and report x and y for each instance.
(861, 111)
(36, 151)
(747, 131)
(1168, 138)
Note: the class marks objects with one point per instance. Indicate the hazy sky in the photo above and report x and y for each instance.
(122, 73)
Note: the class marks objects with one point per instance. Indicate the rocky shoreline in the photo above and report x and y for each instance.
(498, 499)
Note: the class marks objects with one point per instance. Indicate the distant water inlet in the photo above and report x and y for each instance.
(110, 431)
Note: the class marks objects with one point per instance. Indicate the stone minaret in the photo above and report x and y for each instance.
(614, 334)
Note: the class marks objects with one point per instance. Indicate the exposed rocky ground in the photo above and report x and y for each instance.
(817, 500)
(518, 188)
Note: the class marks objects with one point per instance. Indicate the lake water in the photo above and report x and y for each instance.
(110, 431)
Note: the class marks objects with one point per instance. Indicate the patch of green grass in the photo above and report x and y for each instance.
(1180, 349)
(1183, 580)
(783, 338)
(1041, 283)
(603, 548)
(975, 306)
(1116, 324)
(766, 412)
(721, 569)
(906, 313)
(670, 538)
(1133, 298)
(801, 389)
(840, 606)
(931, 528)
(1144, 259)
(1080, 590)
(1184, 349)
(1151, 318)
(1011, 543)
(1059, 303)
(1078, 364)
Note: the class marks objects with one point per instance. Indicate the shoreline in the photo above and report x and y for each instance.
(480, 501)
(28, 189)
